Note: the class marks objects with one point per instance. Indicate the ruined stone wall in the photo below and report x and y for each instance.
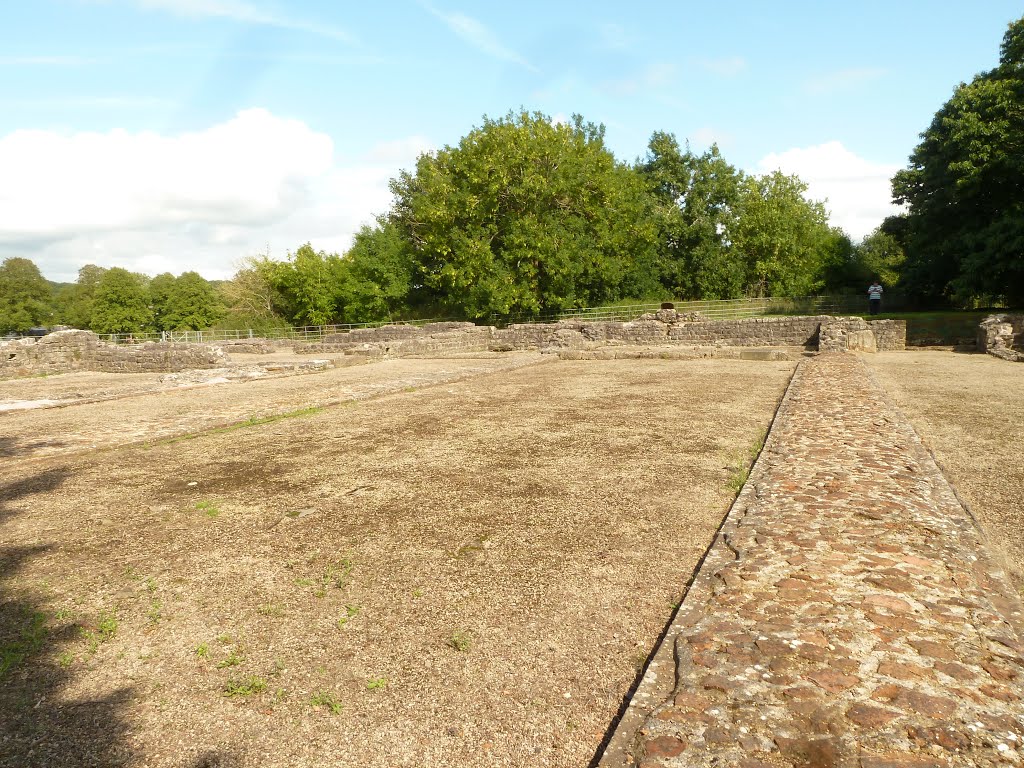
(1002, 336)
(67, 351)
(405, 340)
(666, 327)
(889, 334)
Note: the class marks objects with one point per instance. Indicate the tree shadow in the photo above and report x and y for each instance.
(40, 724)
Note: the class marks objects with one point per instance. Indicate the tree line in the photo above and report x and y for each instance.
(526, 216)
(523, 216)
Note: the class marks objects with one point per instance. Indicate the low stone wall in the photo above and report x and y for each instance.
(1002, 336)
(67, 351)
(666, 327)
(405, 340)
(889, 334)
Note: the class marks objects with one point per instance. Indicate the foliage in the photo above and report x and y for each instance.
(74, 302)
(252, 300)
(725, 234)
(697, 196)
(965, 223)
(24, 296)
(880, 256)
(121, 303)
(377, 275)
(522, 216)
(187, 302)
(783, 237)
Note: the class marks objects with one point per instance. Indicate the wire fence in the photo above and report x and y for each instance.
(719, 309)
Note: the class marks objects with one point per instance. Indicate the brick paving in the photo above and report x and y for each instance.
(848, 613)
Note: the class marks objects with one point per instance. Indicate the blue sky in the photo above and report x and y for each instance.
(166, 135)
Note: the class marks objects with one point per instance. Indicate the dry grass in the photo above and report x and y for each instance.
(464, 574)
(969, 409)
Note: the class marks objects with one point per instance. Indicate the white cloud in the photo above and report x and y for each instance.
(857, 190)
(842, 80)
(200, 200)
(724, 67)
(480, 37)
(246, 13)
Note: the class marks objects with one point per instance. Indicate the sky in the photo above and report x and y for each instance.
(177, 135)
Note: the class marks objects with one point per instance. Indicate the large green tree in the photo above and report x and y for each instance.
(74, 303)
(964, 189)
(25, 299)
(186, 302)
(377, 271)
(785, 239)
(121, 303)
(697, 209)
(525, 215)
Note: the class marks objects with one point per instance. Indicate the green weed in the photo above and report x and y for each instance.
(208, 508)
(244, 686)
(31, 638)
(233, 660)
(202, 650)
(460, 640)
(270, 609)
(351, 611)
(327, 700)
(107, 626)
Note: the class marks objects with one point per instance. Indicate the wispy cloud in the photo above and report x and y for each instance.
(90, 102)
(479, 36)
(44, 61)
(729, 66)
(654, 77)
(246, 13)
(842, 79)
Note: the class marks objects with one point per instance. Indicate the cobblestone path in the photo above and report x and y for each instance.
(848, 613)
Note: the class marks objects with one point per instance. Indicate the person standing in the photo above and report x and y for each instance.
(875, 296)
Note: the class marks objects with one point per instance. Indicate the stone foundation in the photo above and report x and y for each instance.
(1002, 336)
(67, 351)
(663, 328)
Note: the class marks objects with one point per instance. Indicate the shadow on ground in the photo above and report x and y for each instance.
(39, 725)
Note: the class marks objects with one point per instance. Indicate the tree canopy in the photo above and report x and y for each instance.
(523, 215)
(121, 303)
(964, 188)
(25, 299)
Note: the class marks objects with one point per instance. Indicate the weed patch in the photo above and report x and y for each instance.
(327, 701)
(30, 640)
(460, 640)
(244, 686)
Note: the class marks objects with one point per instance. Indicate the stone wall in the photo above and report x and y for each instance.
(404, 340)
(66, 351)
(1002, 336)
(666, 327)
(889, 334)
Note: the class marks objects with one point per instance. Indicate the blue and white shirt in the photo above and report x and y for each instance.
(875, 291)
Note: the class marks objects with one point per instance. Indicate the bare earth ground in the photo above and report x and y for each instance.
(469, 573)
(969, 409)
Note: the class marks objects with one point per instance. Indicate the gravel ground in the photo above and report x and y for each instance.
(969, 409)
(468, 573)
